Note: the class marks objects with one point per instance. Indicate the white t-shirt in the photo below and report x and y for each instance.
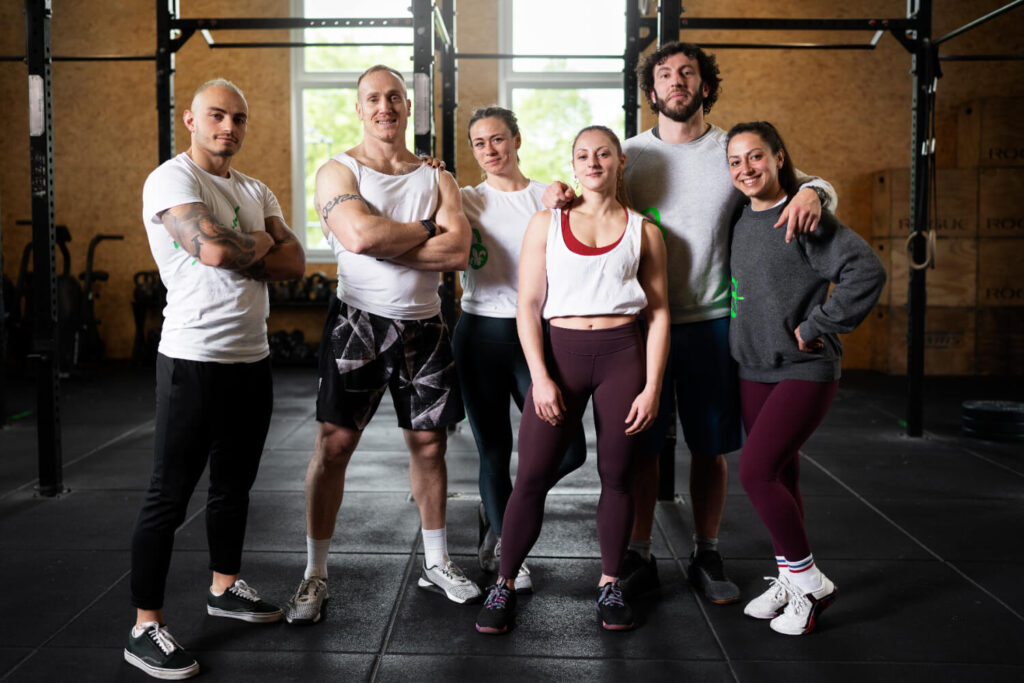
(602, 283)
(212, 314)
(490, 285)
(381, 287)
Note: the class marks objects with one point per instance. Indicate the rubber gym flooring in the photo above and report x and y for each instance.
(922, 536)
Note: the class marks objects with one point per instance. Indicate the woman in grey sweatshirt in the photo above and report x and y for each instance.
(782, 334)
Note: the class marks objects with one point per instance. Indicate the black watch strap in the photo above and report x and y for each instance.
(430, 226)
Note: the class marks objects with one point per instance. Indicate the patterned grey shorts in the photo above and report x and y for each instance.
(362, 354)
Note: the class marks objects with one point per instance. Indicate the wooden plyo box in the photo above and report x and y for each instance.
(956, 203)
(1001, 202)
(950, 283)
(1001, 272)
(949, 340)
(988, 133)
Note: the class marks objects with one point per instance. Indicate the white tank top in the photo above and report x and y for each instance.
(499, 220)
(600, 282)
(381, 287)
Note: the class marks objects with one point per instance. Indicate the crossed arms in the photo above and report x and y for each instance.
(271, 254)
(343, 212)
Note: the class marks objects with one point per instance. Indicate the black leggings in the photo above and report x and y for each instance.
(492, 369)
(610, 365)
(212, 412)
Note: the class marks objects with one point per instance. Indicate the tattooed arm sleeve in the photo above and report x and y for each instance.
(196, 230)
(285, 261)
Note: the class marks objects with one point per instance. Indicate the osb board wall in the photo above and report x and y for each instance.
(844, 114)
(105, 130)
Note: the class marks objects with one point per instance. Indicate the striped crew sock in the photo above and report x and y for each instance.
(783, 566)
(804, 575)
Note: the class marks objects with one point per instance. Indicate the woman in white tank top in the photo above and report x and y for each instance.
(489, 359)
(589, 270)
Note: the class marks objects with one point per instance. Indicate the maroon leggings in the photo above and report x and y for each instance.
(779, 418)
(610, 365)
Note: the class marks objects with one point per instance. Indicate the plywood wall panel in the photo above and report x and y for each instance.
(845, 115)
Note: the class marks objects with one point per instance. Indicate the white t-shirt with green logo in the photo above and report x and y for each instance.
(212, 314)
(499, 220)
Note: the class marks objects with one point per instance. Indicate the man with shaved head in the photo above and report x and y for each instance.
(393, 224)
(217, 237)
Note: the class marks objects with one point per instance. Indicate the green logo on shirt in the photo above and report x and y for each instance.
(477, 252)
(655, 216)
(735, 296)
(234, 223)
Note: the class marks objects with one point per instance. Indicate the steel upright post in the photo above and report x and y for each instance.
(45, 346)
(921, 149)
(165, 10)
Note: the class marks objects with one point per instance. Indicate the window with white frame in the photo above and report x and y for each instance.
(324, 95)
(554, 98)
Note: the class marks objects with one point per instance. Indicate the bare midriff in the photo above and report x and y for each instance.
(591, 322)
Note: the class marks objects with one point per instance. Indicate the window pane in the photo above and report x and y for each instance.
(549, 119)
(360, 58)
(330, 126)
(574, 27)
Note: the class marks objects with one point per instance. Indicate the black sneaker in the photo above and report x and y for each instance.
(612, 610)
(157, 653)
(707, 574)
(637, 576)
(240, 601)
(499, 610)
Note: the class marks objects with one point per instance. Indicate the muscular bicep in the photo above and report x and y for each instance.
(337, 199)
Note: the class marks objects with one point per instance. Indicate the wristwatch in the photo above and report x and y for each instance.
(430, 226)
(822, 195)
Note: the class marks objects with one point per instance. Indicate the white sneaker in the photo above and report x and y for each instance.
(802, 611)
(523, 583)
(768, 604)
(450, 580)
(307, 604)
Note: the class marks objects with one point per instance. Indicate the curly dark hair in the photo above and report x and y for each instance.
(706, 63)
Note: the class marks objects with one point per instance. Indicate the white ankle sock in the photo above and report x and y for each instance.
(316, 557)
(805, 575)
(435, 547)
(142, 628)
(641, 548)
(783, 566)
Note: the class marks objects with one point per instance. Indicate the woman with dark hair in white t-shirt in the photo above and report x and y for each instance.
(488, 356)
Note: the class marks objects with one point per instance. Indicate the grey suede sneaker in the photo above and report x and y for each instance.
(707, 574)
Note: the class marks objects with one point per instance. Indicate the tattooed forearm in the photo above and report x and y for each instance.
(258, 271)
(337, 199)
(197, 231)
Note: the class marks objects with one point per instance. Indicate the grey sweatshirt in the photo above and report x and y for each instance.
(686, 190)
(777, 287)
